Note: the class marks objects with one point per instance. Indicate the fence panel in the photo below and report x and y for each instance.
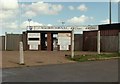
(78, 42)
(13, 41)
(2, 43)
(109, 43)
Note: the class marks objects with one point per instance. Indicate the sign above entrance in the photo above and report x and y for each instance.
(62, 28)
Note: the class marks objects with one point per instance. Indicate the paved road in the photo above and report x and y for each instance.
(99, 71)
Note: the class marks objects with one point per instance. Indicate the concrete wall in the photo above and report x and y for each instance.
(13, 41)
(78, 42)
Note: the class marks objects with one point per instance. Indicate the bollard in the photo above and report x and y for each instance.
(98, 42)
(21, 54)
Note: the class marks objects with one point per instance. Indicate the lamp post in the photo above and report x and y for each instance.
(29, 22)
(63, 22)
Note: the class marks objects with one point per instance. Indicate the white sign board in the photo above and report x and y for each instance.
(32, 41)
(33, 35)
(64, 47)
(64, 40)
(63, 28)
(33, 47)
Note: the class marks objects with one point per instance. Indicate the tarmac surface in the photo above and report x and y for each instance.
(94, 71)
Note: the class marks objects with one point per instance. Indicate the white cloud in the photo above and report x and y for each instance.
(30, 13)
(49, 25)
(79, 20)
(9, 25)
(115, 0)
(82, 7)
(9, 9)
(9, 4)
(71, 7)
(14, 25)
(32, 23)
(5, 15)
(39, 8)
(106, 21)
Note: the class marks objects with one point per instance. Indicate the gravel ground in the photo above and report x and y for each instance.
(32, 58)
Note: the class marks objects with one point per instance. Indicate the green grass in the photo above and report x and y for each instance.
(82, 58)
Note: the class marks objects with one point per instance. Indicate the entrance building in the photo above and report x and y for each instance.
(47, 38)
(51, 38)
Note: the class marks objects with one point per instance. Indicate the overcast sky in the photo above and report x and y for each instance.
(14, 15)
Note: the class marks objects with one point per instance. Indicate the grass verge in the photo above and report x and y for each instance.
(95, 57)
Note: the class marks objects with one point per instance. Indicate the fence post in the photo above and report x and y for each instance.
(21, 53)
(98, 42)
(5, 41)
(72, 48)
(119, 42)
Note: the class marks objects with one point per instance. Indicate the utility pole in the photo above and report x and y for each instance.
(119, 11)
(110, 12)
